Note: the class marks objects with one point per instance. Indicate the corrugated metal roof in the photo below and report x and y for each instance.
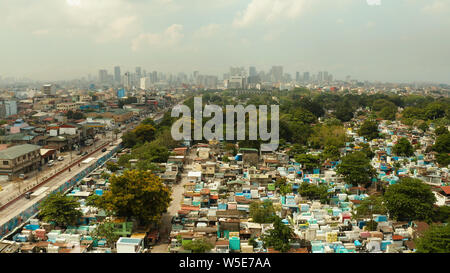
(19, 150)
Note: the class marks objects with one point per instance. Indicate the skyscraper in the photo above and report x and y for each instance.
(325, 76)
(306, 76)
(320, 76)
(145, 83)
(277, 73)
(237, 71)
(138, 72)
(127, 80)
(252, 71)
(102, 76)
(117, 76)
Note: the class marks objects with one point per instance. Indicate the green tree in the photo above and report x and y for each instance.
(356, 169)
(308, 161)
(443, 159)
(112, 167)
(442, 130)
(369, 130)
(106, 231)
(129, 139)
(138, 194)
(388, 113)
(369, 206)
(116, 132)
(262, 212)
(323, 136)
(279, 237)
(367, 150)
(381, 104)
(435, 110)
(441, 214)
(403, 148)
(344, 112)
(435, 240)
(61, 209)
(409, 200)
(283, 186)
(198, 246)
(297, 149)
(314, 192)
(442, 144)
(331, 152)
(144, 133)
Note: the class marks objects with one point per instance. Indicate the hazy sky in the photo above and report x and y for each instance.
(387, 40)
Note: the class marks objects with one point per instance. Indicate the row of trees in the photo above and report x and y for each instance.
(138, 195)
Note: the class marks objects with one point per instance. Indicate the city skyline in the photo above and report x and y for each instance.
(387, 41)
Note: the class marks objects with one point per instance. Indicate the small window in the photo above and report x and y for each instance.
(5, 162)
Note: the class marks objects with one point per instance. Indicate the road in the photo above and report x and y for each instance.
(21, 204)
(13, 189)
(174, 207)
(10, 193)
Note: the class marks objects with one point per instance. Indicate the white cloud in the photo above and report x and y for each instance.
(103, 20)
(437, 7)
(170, 37)
(374, 2)
(208, 31)
(118, 28)
(269, 11)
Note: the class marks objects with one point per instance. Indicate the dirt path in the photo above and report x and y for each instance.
(174, 207)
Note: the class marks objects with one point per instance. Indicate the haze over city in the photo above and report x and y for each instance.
(396, 41)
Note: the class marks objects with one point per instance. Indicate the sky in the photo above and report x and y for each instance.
(375, 40)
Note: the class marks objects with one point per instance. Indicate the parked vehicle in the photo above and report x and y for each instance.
(51, 163)
(84, 153)
(60, 158)
(103, 150)
(23, 176)
(28, 195)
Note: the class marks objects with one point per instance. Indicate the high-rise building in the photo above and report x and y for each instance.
(102, 76)
(237, 71)
(325, 76)
(320, 76)
(138, 72)
(154, 76)
(330, 78)
(8, 108)
(306, 76)
(127, 80)
(48, 89)
(117, 76)
(237, 82)
(277, 73)
(145, 83)
(252, 71)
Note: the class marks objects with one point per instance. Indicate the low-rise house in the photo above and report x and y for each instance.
(19, 159)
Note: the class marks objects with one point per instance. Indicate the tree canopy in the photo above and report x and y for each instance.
(403, 148)
(369, 130)
(138, 194)
(262, 212)
(410, 199)
(279, 237)
(435, 240)
(61, 209)
(198, 246)
(356, 169)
